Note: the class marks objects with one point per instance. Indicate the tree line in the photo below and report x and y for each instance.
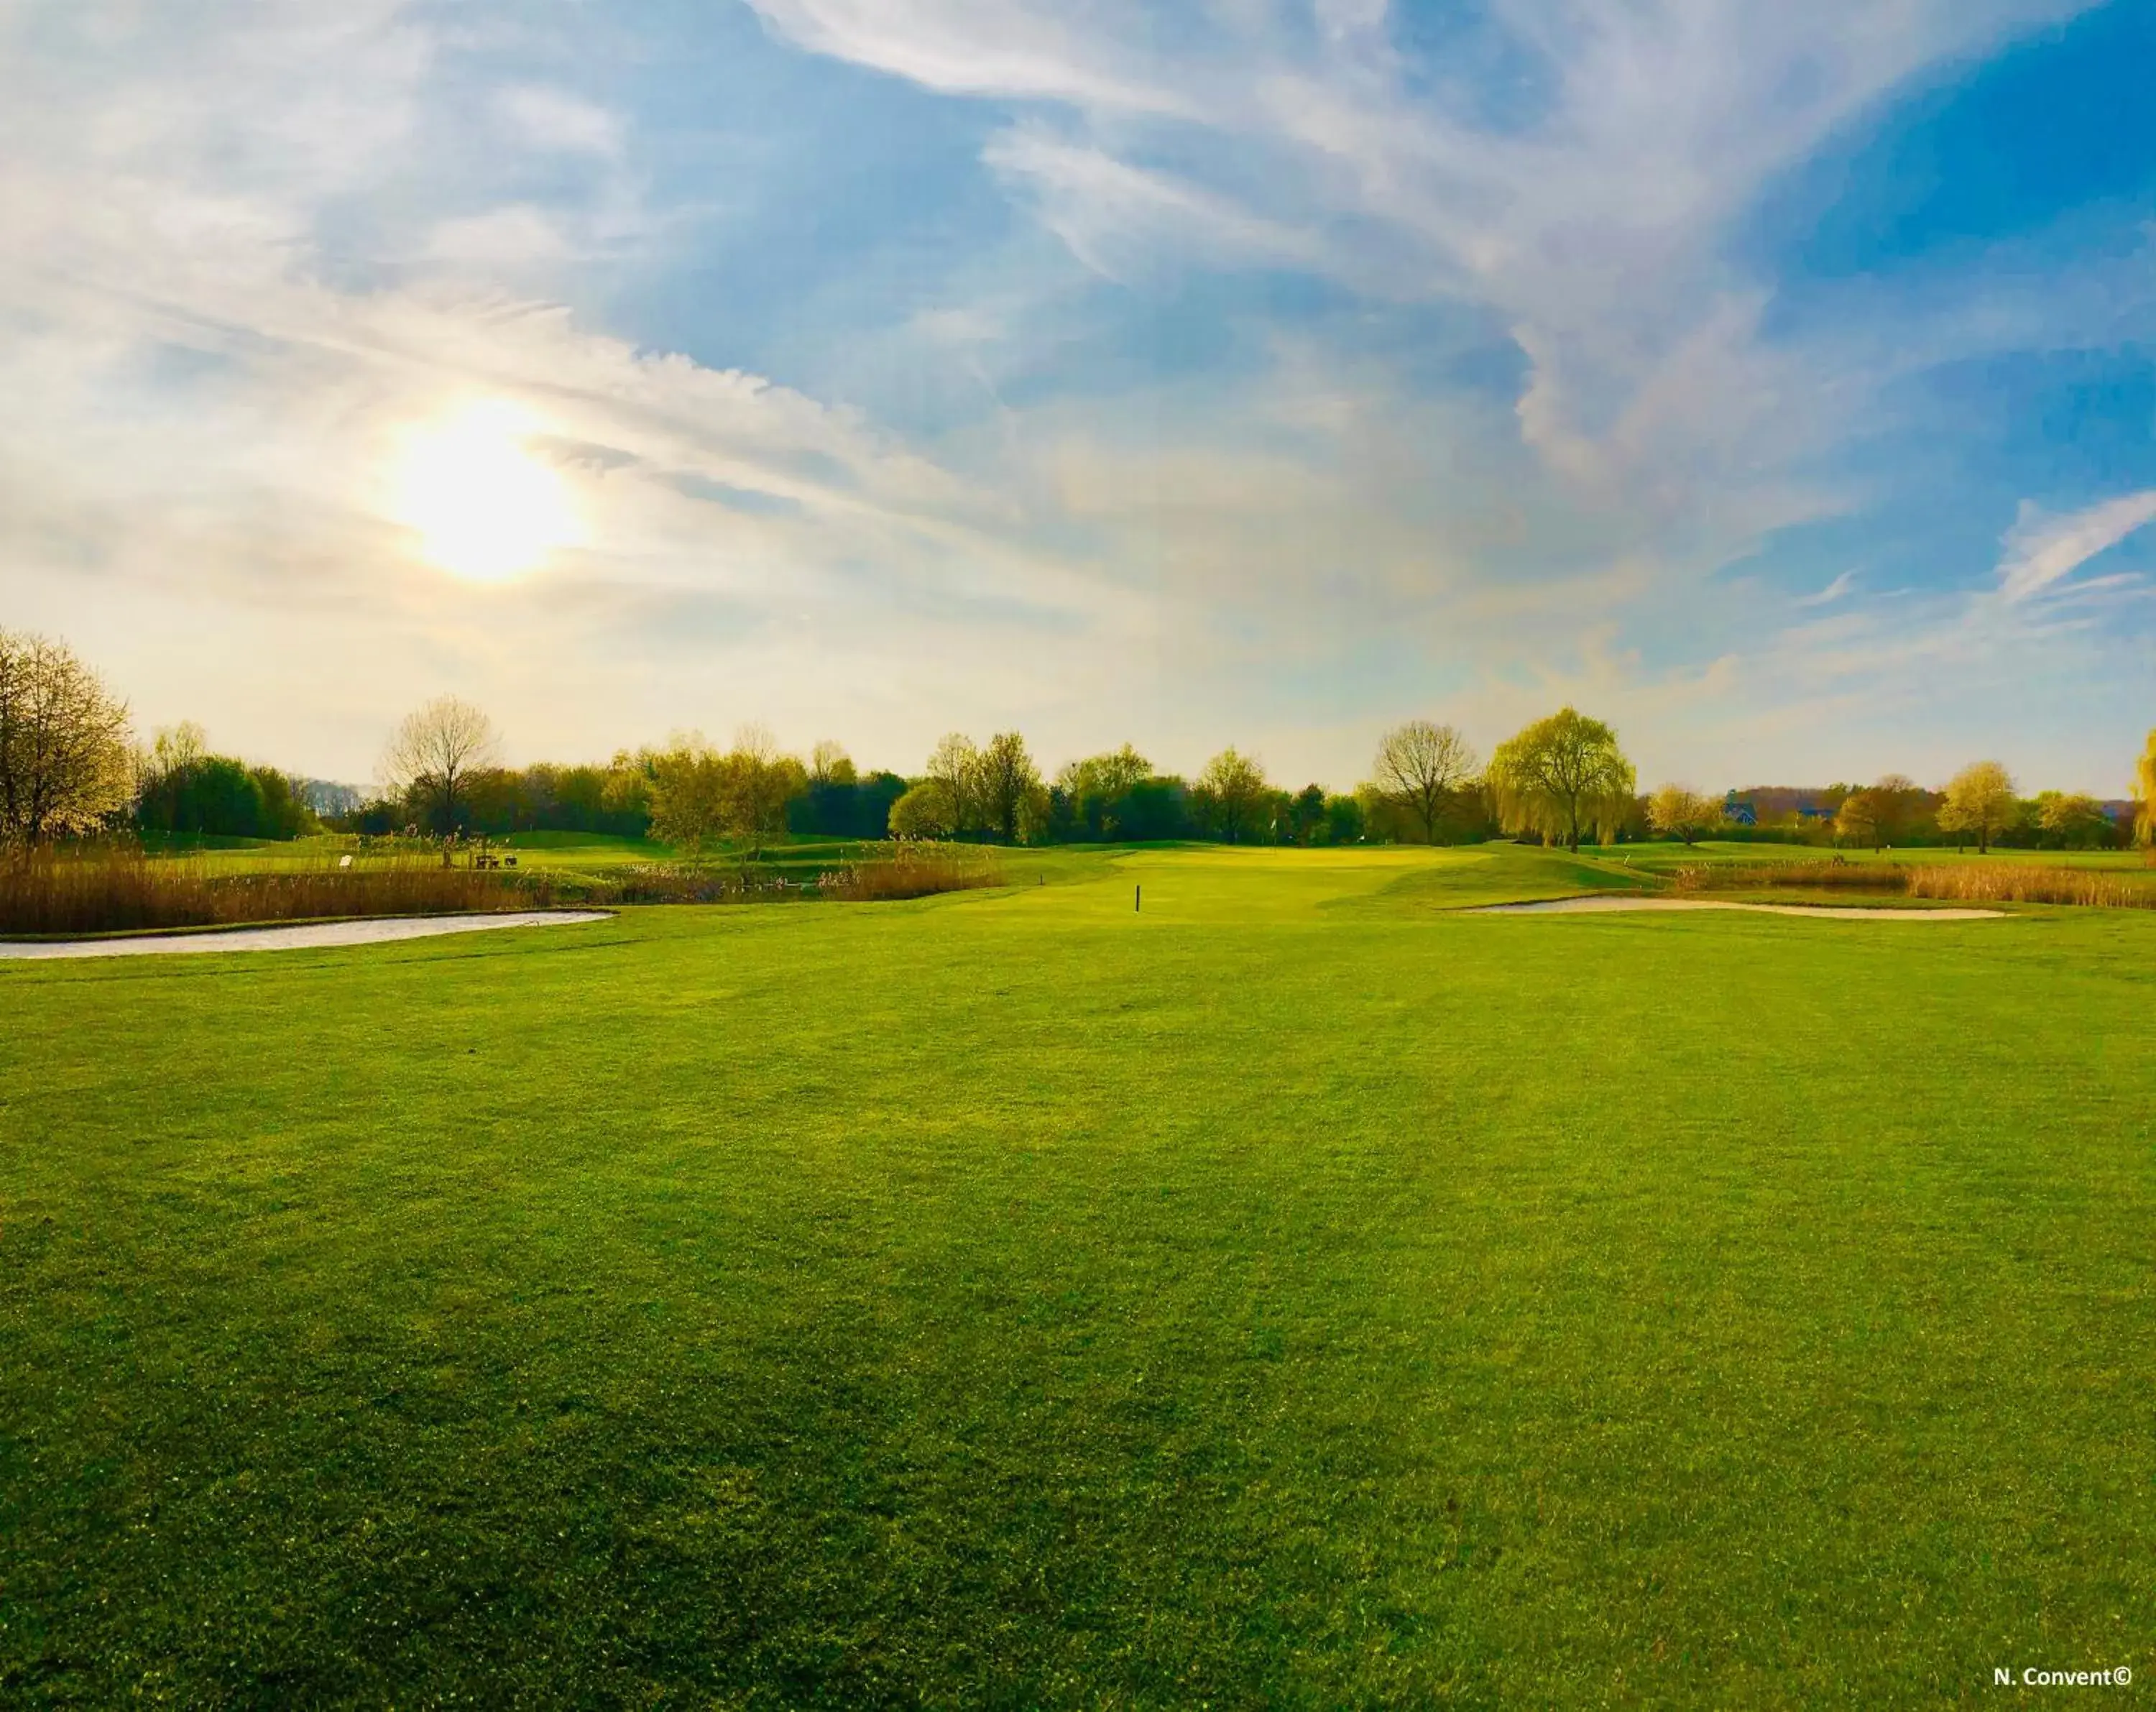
(69, 766)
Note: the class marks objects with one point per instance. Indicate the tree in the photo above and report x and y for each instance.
(1419, 767)
(1979, 799)
(924, 812)
(686, 788)
(1099, 790)
(1560, 777)
(828, 763)
(1306, 814)
(1677, 812)
(2144, 791)
(66, 761)
(755, 783)
(1005, 782)
(435, 752)
(955, 766)
(1898, 805)
(1229, 795)
(2075, 821)
(1857, 819)
(1343, 820)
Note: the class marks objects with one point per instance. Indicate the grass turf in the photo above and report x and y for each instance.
(1293, 1293)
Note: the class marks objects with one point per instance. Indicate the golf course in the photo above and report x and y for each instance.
(1172, 1277)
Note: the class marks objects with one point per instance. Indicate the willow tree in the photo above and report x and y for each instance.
(1561, 777)
(2144, 789)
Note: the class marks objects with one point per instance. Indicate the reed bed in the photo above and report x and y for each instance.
(1805, 876)
(111, 891)
(1960, 882)
(54, 894)
(912, 871)
(2014, 883)
(663, 883)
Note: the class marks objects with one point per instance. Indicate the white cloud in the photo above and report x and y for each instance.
(556, 120)
(1595, 231)
(241, 248)
(2041, 550)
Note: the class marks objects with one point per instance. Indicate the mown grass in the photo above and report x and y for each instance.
(1291, 1293)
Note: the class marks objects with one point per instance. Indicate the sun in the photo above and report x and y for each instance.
(485, 509)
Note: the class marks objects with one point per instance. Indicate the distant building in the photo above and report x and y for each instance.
(1774, 805)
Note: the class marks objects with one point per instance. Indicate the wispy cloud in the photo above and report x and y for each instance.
(1833, 592)
(1252, 369)
(2041, 550)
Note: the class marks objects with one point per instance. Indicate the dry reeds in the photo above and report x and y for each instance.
(1972, 882)
(108, 892)
(1768, 876)
(661, 884)
(2015, 883)
(911, 870)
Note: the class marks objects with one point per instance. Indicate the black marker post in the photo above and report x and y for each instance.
(1138, 899)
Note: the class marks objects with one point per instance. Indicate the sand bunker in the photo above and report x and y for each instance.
(365, 933)
(1607, 905)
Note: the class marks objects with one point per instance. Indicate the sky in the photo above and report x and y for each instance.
(1775, 382)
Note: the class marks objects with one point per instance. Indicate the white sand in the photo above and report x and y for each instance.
(1607, 905)
(362, 933)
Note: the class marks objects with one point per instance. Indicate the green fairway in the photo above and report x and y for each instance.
(1291, 1292)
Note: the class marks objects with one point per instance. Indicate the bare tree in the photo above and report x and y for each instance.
(1418, 767)
(435, 752)
(828, 763)
(66, 761)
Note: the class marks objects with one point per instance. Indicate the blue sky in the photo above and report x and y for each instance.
(1776, 382)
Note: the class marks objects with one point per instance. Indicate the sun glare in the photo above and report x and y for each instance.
(484, 507)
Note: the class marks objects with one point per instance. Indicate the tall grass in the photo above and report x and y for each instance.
(911, 870)
(2011, 883)
(107, 891)
(1764, 876)
(1967, 882)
